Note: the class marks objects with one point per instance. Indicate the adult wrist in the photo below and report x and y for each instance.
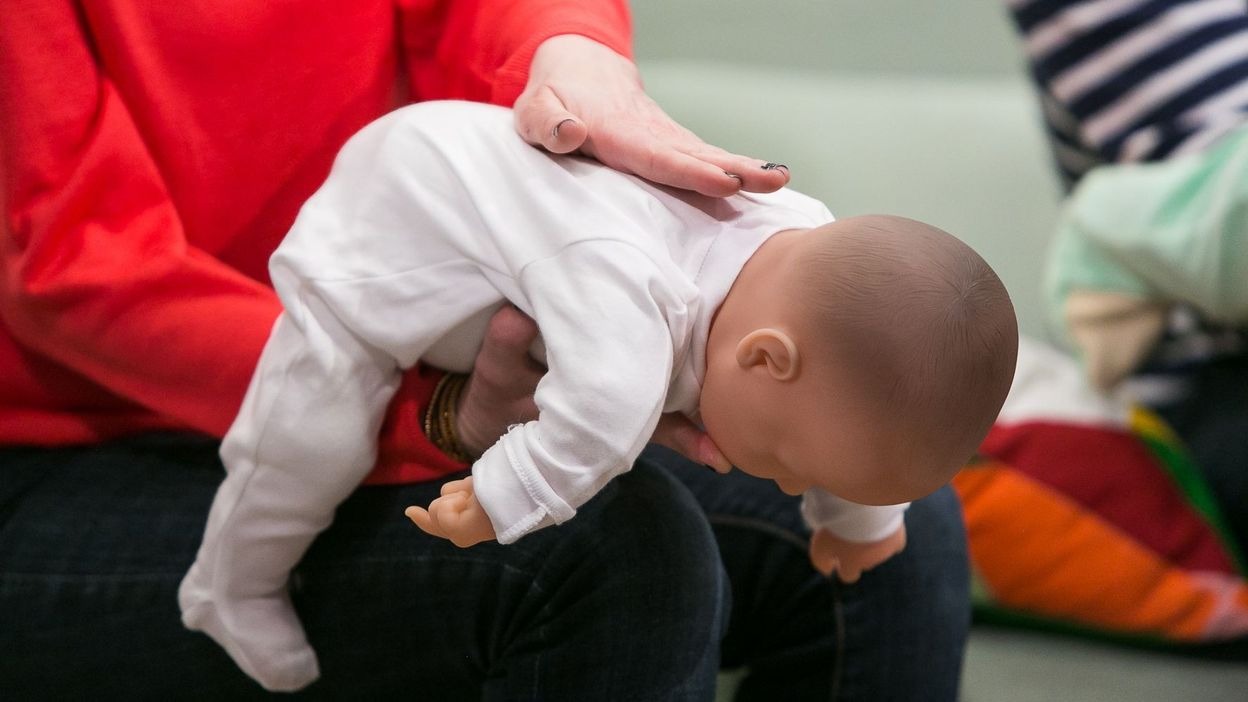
(442, 415)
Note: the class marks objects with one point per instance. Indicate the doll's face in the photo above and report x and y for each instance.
(795, 397)
(804, 434)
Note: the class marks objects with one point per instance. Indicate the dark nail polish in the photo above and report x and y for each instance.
(769, 166)
(734, 175)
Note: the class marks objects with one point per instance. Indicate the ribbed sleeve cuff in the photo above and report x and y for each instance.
(848, 520)
(512, 490)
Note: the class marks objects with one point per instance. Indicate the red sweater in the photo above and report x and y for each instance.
(155, 153)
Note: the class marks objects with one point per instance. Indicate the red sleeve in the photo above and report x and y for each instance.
(485, 46)
(96, 272)
(95, 269)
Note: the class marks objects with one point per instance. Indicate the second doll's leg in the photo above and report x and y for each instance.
(303, 440)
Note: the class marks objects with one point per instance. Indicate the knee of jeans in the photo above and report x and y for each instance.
(647, 546)
(938, 549)
(940, 514)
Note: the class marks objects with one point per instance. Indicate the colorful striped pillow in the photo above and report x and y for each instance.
(1084, 513)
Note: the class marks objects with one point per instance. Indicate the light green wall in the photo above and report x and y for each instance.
(917, 108)
(966, 37)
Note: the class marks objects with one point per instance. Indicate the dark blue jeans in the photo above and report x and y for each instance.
(1211, 416)
(668, 570)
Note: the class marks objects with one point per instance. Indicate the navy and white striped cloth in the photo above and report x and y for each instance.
(1135, 80)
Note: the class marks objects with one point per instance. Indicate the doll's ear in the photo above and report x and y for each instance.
(771, 348)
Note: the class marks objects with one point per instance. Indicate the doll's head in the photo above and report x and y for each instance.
(868, 357)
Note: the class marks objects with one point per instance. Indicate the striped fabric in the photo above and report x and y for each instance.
(1135, 80)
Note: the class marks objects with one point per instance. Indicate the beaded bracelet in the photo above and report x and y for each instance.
(440, 416)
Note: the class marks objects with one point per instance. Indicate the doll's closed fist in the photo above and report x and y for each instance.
(456, 516)
(848, 559)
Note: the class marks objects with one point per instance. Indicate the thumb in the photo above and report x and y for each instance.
(820, 556)
(826, 564)
(848, 574)
(542, 120)
(510, 334)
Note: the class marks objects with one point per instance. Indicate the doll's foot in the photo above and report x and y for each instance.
(261, 634)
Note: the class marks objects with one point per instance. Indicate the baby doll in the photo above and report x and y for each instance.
(859, 362)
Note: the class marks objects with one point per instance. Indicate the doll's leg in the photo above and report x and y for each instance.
(303, 440)
(899, 633)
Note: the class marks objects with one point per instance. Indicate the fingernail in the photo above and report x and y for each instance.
(734, 175)
(555, 132)
(769, 166)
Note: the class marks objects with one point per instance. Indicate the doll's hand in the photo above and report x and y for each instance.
(456, 516)
(829, 552)
(582, 95)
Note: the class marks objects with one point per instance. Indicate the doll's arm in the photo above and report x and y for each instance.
(849, 538)
(603, 308)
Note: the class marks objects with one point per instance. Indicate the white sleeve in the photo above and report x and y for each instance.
(849, 520)
(603, 309)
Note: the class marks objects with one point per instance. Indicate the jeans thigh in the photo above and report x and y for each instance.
(626, 599)
(93, 543)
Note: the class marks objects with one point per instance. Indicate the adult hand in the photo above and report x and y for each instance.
(583, 96)
(676, 432)
(500, 390)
